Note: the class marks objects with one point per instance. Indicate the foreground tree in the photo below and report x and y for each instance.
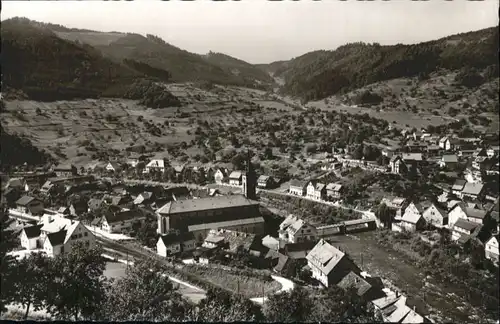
(144, 294)
(342, 306)
(288, 307)
(32, 282)
(8, 241)
(220, 306)
(78, 286)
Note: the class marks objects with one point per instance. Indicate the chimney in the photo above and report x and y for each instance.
(397, 294)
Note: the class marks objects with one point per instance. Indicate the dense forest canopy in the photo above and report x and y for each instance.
(318, 74)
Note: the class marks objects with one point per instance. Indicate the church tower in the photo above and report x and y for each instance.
(249, 180)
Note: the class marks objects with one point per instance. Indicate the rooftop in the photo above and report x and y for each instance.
(465, 224)
(325, 256)
(193, 205)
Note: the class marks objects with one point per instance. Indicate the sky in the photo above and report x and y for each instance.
(260, 31)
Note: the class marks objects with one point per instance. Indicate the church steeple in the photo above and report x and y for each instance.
(249, 180)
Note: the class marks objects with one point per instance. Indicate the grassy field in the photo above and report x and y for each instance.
(249, 286)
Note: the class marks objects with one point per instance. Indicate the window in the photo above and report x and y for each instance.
(86, 234)
(62, 249)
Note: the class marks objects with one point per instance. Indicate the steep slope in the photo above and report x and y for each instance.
(319, 74)
(46, 67)
(239, 68)
(183, 65)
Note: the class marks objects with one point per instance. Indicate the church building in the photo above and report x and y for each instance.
(198, 216)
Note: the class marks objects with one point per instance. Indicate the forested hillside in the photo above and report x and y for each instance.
(319, 74)
(46, 67)
(246, 71)
(17, 151)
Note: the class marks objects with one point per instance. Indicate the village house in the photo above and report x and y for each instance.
(463, 230)
(416, 146)
(235, 178)
(334, 190)
(220, 176)
(132, 161)
(472, 191)
(175, 242)
(143, 198)
(448, 160)
(480, 152)
(435, 216)
(113, 166)
(297, 187)
(238, 241)
(178, 193)
(94, 204)
(122, 221)
(30, 237)
(491, 248)
(294, 230)
(412, 158)
(265, 182)
(65, 170)
(412, 219)
(458, 187)
(155, 165)
(445, 144)
(397, 165)
(328, 264)
(19, 184)
(367, 287)
(29, 205)
(397, 204)
(213, 241)
(59, 234)
(316, 190)
(433, 150)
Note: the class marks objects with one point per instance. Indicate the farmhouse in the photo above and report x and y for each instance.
(435, 216)
(328, 264)
(297, 187)
(175, 242)
(397, 204)
(234, 212)
(445, 143)
(143, 198)
(235, 178)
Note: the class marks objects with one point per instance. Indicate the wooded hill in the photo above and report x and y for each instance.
(51, 62)
(319, 74)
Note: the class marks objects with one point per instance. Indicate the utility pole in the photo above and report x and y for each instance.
(263, 296)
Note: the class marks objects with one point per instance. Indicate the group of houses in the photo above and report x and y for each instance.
(466, 221)
(316, 190)
(55, 234)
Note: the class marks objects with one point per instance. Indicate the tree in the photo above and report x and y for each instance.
(342, 306)
(238, 161)
(385, 214)
(144, 294)
(78, 288)
(220, 306)
(268, 153)
(288, 307)
(8, 241)
(32, 282)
